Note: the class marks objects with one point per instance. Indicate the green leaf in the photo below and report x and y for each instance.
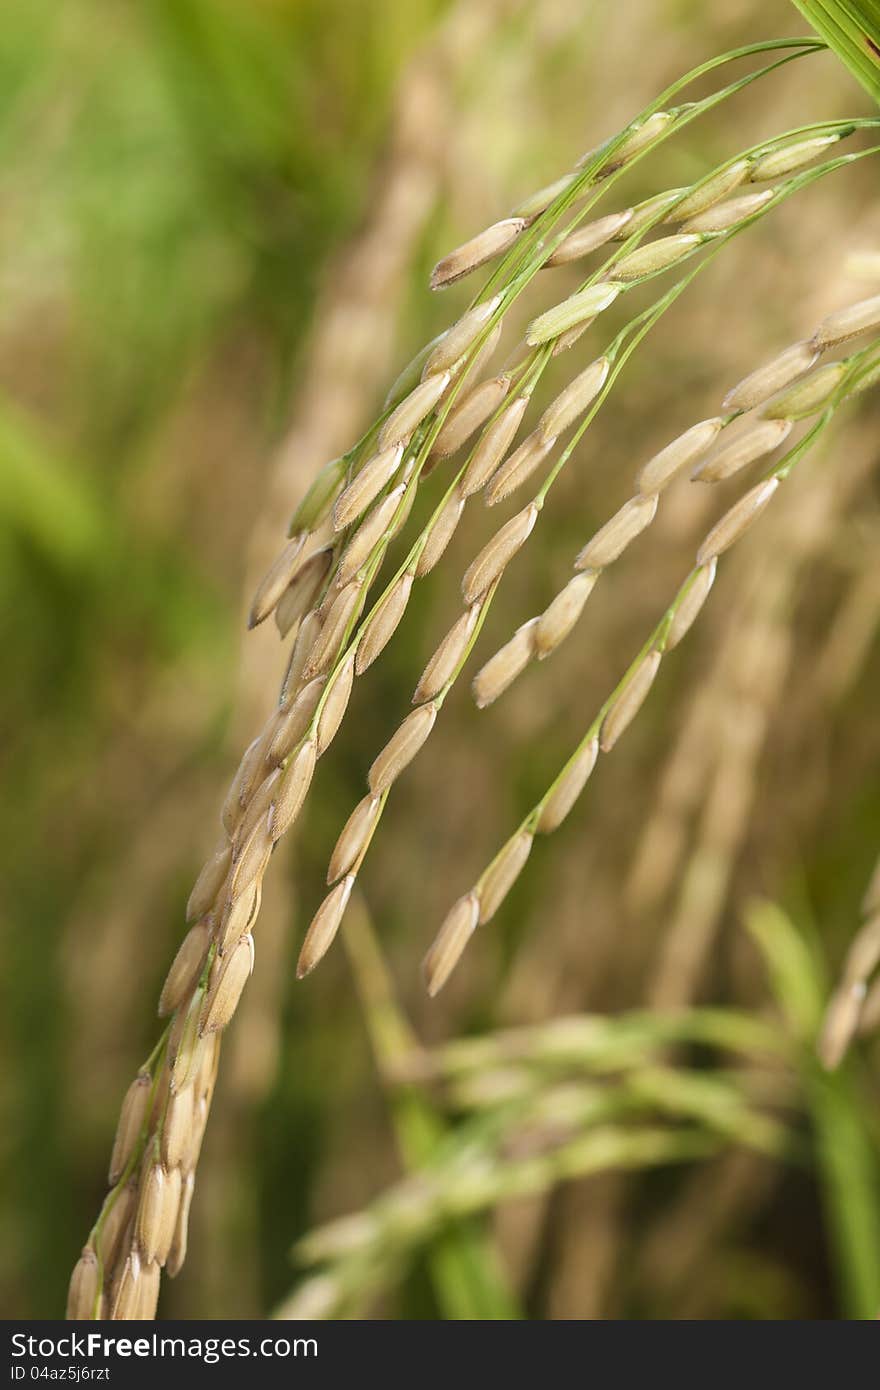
(852, 30)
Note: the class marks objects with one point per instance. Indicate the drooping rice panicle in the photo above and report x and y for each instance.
(693, 450)
(318, 594)
(621, 706)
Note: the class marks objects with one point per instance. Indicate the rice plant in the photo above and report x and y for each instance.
(471, 416)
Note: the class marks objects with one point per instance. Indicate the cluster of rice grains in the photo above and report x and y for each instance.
(449, 401)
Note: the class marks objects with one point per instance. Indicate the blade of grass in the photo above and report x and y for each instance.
(468, 1281)
(852, 30)
(848, 1164)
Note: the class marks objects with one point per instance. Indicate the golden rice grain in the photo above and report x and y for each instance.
(354, 835)
(412, 410)
(336, 704)
(307, 636)
(492, 446)
(736, 453)
(441, 533)
(558, 619)
(132, 1117)
(690, 606)
(116, 1224)
(252, 858)
(84, 1290)
(723, 216)
(502, 669)
(208, 882)
(501, 875)
(781, 371)
(293, 723)
(442, 665)
(176, 1126)
(185, 968)
(323, 927)
(401, 748)
(366, 485)
(372, 529)
(629, 701)
(567, 788)
(445, 953)
(519, 467)
(737, 520)
(492, 242)
(292, 789)
(226, 986)
(148, 1222)
(329, 639)
(574, 400)
(301, 593)
(459, 337)
(274, 583)
(684, 451)
(468, 414)
(177, 1254)
(848, 323)
(613, 538)
(127, 1293)
(589, 238)
(494, 558)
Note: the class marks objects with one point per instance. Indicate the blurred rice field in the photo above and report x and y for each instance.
(218, 219)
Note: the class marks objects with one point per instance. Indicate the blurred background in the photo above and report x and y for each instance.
(217, 222)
